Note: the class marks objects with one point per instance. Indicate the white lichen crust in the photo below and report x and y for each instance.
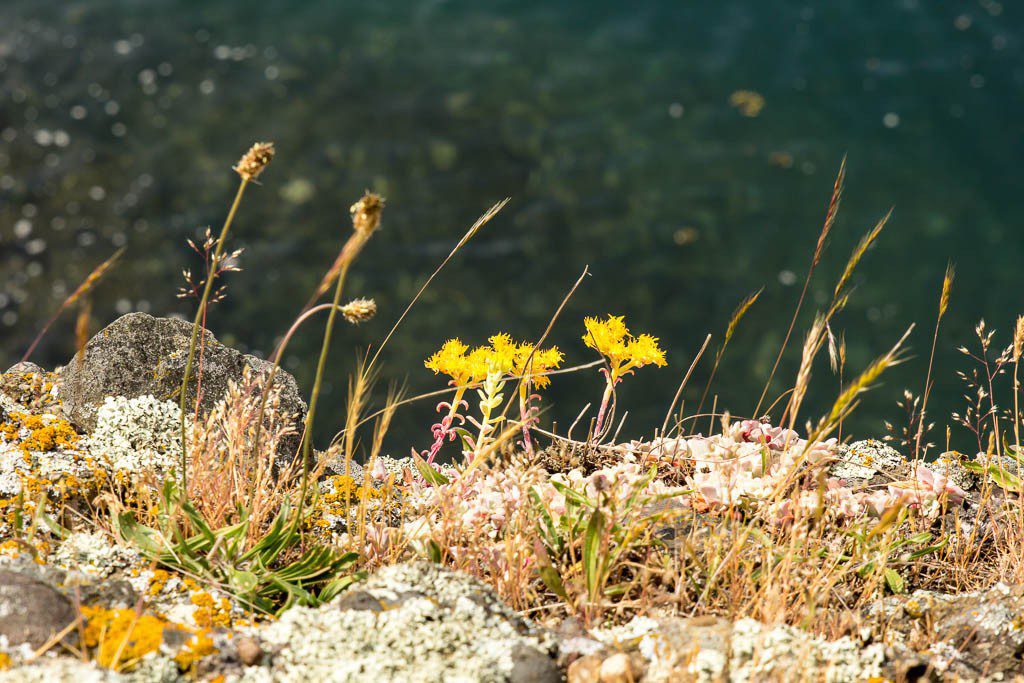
(413, 622)
(141, 434)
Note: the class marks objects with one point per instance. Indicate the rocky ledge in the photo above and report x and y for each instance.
(78, 602)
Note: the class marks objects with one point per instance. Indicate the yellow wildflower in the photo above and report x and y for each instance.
(502, 353)
(611, 338)
(451, 360)
(543, 361)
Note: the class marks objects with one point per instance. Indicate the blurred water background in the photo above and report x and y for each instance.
(685, 151)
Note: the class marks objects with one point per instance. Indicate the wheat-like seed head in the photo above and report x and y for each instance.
(947, 287)
(738, 314)
(858, 253)
(1018, 338)
(830, 214)
(255, 160)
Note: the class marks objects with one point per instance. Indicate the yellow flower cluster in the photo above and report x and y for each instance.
(501, 355)
(611, 338)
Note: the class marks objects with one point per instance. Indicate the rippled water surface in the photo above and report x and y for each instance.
(683, 151)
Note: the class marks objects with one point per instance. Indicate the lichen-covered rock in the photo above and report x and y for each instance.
(29, 387)
(52, 667)
(863, 461)
(964, 636)
(415, 622)
(31, 610)
(140, 355)
(949, 465)
(711, 649)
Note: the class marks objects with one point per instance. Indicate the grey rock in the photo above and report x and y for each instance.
(869, 462)
(138, 354)
(971, 636)
(31, 610)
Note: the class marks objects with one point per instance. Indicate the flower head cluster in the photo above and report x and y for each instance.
(534, 363)
(453, 360)
(611, 338)
(501, 355)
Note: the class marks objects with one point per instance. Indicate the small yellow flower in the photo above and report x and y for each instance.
(611, 338)
(502, 352)
(543, 361)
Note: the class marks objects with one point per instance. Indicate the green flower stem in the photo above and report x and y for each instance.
(307, 432)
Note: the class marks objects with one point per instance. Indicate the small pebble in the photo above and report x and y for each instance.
(585, 670)
(617, 669)
(249, 651)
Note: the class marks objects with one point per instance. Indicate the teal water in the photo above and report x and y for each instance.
(610, 126)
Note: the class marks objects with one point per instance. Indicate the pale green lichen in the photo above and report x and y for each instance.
(136, 435)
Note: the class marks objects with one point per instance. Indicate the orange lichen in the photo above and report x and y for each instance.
(119, 638)
(31, 389)
(5, 661)
(44, 435)
(158, 581)
(210, 612)
(198, 646)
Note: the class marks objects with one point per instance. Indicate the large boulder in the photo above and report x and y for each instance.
(408, 622)
(31, 610)
(139, 355)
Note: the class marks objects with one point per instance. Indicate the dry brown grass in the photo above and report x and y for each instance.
(233, 467)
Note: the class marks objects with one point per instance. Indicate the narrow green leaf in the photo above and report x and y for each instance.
(894, 581)
(592, 553)
(429, 474)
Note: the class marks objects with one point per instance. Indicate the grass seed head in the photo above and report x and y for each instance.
(359, 310)
(366, 213)
(255, 160)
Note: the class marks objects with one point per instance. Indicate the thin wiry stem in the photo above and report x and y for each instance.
(686, 378)
(947, 285)
(307, 433)
(730, 330)
(480, 222)
(82, 290)
(183, 399)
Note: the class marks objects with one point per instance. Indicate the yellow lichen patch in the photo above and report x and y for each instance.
(198, 646)
(119, 638)
(36, 548)
(5, 661)
(158, 581)
(38, 433)
(210, 612)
